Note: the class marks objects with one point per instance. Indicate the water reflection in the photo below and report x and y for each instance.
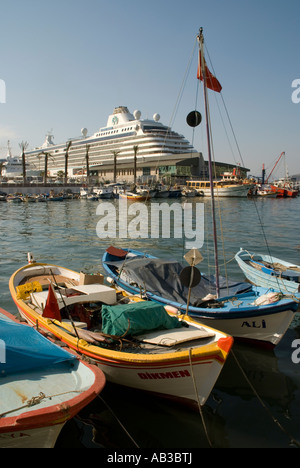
(65, 233)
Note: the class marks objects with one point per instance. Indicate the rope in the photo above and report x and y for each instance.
(36, 400)
(118, 420)
(198, 401)
(292, 440)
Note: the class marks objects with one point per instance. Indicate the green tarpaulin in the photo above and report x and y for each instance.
(136, 318)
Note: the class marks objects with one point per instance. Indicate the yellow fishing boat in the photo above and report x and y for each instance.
(173, 357)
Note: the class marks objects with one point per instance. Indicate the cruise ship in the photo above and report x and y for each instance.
(124, 135)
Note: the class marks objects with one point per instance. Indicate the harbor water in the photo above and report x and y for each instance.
(256, 401)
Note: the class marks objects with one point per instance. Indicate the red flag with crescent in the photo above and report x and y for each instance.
(211, 80)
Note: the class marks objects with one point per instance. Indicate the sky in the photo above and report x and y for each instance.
(66, 64)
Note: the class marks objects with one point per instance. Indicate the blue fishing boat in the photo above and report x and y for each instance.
(269, 272)
(249, 313)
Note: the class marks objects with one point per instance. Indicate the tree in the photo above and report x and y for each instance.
(135, 149)
(23, 147)
(115, 153)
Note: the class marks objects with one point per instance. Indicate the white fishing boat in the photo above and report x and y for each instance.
(103, 192)
(136, 344)
(269, 272)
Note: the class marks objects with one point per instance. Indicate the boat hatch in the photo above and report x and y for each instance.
(79, 294)
(176, 336)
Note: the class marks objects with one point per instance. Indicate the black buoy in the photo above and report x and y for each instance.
(190, 276)
(194, 118)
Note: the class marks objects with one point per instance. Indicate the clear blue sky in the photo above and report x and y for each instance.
(67, 64)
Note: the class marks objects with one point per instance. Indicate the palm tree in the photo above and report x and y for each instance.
(115, 153)
(135, 149)
(23, 147)
(87, 164)
(44, 153)
(66, 160)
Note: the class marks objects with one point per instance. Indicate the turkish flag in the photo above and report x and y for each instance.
(51, 308)
(211, 80)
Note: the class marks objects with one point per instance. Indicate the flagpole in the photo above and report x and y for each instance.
(202, 67)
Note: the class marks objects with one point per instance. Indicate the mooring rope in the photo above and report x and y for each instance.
(198, 401)
(118, 420)
(275, 420)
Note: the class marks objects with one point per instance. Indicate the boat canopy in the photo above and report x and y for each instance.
(162, 278)
(23, 349)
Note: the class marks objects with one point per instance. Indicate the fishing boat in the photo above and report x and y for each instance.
(269, 272)
(252, 314)
(42, 386)
(162, 191)
(186, 192)
(283, 187)
(266, 192)
(133, 196)
(103, 192)
(15, 198)
(134, 344)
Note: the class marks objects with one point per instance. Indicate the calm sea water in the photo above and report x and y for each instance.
(65, 233)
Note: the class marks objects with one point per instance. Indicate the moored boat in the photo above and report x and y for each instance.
(269, 272)
(170, 356)
(251, 314)
(222, 188)
(134, 196)
(42, 386)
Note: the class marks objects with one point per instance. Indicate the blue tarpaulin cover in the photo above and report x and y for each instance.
(22, 349)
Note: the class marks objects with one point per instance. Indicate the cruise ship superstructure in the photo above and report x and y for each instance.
(123, 132)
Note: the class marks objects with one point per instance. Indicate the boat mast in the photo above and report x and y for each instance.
(202, 65)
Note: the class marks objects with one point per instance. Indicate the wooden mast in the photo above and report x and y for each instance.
(202, 65)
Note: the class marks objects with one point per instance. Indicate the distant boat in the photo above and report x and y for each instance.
(14, 198)
(229, 186)
(104, 192)
(55, 198)
(265, 192)
(133, 196)
(284, 186)
(269, 272)
(42, 386)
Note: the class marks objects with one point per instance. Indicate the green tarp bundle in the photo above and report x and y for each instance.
(136, 318)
